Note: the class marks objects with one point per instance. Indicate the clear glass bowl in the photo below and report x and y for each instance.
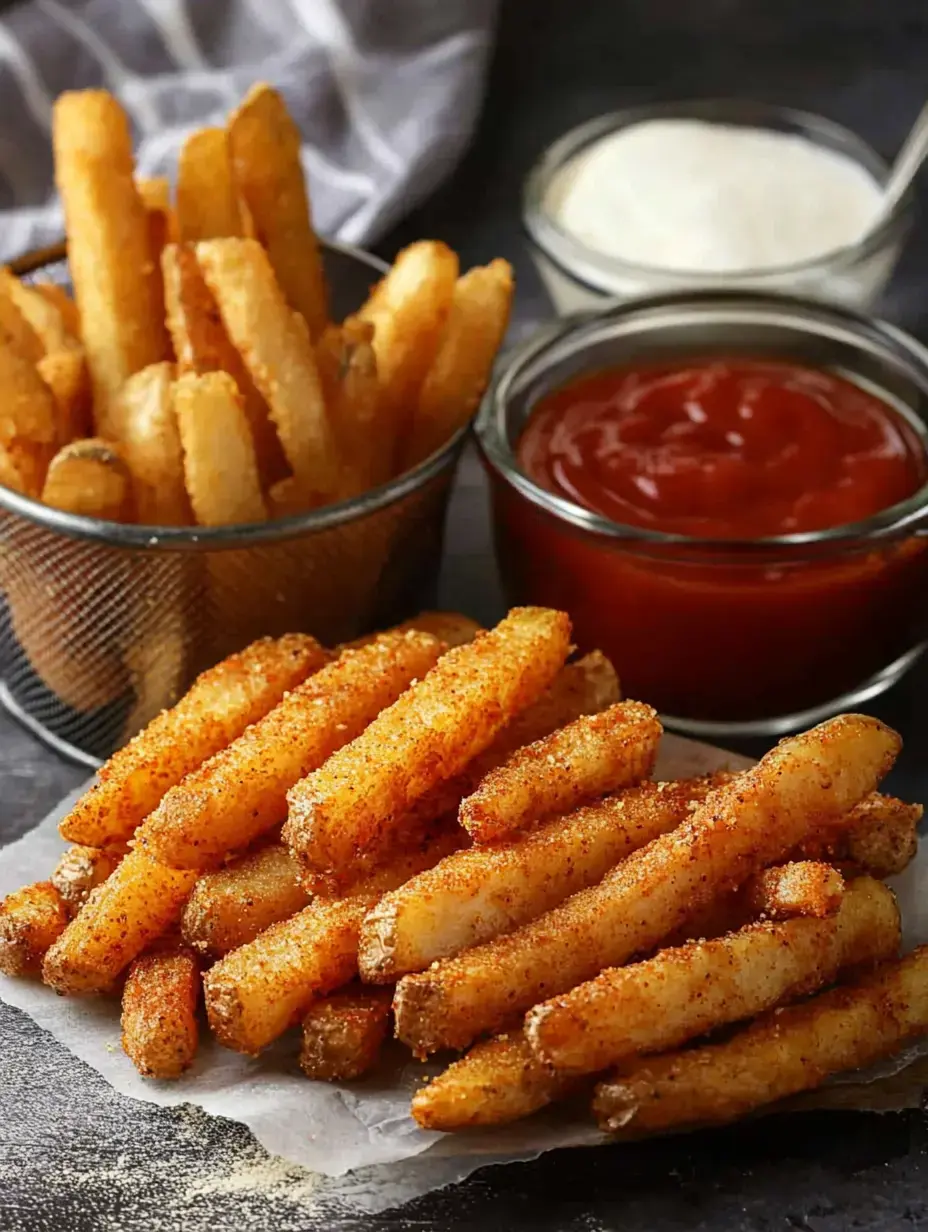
(579, 278)
(725, 637)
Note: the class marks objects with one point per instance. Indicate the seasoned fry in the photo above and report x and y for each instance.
(481, 892)
(592, 756)
(207, 203)
(408, 309)
(452, 628)
(500, 1080)
(116, 280)
(784, 1052)
(802, 887)
(91, 478)
(202, 345)
(151, 445)
(57, 295)
(15, 330)
(880, 837)
(807, 781)
(278, 356)
(428, 735)
(31, 920)
(29, 420)
(264, 144)
(351, 388)
(81, 869)
(681, 993)
(160, 1032)
(66, 374)
(220, 466)
(343, 1034)
(135, 906)
(232, 905)
(241, 792)
(218, 707)
(461, 369)
(255, 993)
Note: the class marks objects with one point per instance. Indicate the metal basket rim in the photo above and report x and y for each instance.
(242, 535)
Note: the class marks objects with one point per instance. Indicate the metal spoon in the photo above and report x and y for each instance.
(906, 166)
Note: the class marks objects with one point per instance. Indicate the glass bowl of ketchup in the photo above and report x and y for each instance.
(729, 493)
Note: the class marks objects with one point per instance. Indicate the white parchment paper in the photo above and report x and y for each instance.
(364, 1128)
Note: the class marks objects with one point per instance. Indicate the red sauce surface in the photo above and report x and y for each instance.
(725, 449)
(722, 448)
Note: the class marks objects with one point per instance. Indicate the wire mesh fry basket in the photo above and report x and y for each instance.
(102, 624)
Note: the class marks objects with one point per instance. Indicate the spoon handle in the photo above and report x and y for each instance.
(908, 161)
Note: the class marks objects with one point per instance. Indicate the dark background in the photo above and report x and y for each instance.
(63, 1131)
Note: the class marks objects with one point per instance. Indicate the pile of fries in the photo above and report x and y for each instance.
(196, 377)
(455, 832)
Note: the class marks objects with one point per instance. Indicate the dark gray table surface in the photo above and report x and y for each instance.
(65, 1137)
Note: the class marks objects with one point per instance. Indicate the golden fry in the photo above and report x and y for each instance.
(452, 628)
(220, 466)
(90, 478)
(58, 296)
(880, 837)
(784, 1052)
(114, 271)
(255, 993)
(264, 144)
(428, 735)
(135, 906)
(344, 1032)
(241, 792)
(232, 905)
(31, 921)
(278, 355)
(762, 814)
(151, 445)
(160, 1032)
(481, 892)
(28, 420)
(461, 369)
(408, 309)
(802, 887)
(207, 203)
(66, 374)
(46, 329)
(15, 330)
(592, 756)
(351, 388)
(498, 1081)
(681, 993)
(10, 476)
(217, 708)
(81, 869)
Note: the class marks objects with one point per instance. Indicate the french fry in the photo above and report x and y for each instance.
(441, 723)
(207, 203)
(135, 906)
(784, 1052)
(807, 781)
(217, 708)
(681, 993)
(57, 295)
(155, 192)
(800, 888)
(287, 497)
(46, 322)
(408, 309)
(481, 892)
(80, 870)
(202, 345)
(220, 465)
(461, 369)
(151, 445)
(232, 905)
(344, 1033)
(241, 792)
(66, 375)
(452, 628)
(10, 476)
(31, 921)
(91, 478)
(113, 268)
(259, 990)
(29, 419)
(160, 1032)
(594, 755)
(351, 388)
(498, 1081)
(15, 330)
(264, 144)
(278, 355)
(880, 837)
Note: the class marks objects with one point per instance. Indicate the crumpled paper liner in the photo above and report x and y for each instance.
(360, 1135)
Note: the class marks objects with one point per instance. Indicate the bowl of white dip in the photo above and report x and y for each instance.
(719, 194)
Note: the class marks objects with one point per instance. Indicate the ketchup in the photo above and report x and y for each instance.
(729, 450)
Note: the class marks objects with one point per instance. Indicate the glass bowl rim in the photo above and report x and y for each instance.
(572, 254)
(905, 518)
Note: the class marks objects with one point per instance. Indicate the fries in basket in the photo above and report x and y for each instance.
(472, 853)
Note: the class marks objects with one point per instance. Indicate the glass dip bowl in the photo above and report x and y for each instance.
(724, 636)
